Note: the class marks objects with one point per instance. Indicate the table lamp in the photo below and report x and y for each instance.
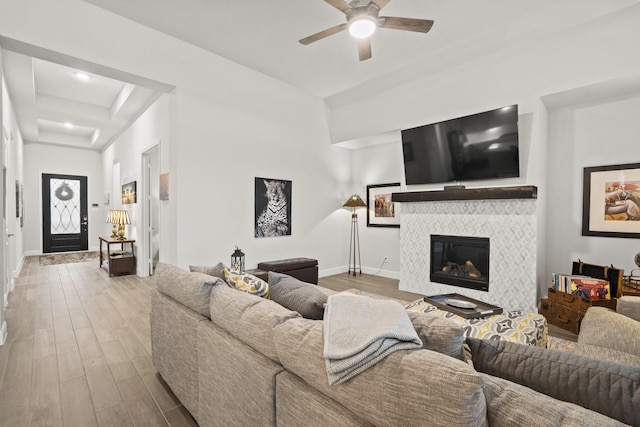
(111, 219)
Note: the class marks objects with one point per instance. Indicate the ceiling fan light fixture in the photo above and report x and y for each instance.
(362, 26)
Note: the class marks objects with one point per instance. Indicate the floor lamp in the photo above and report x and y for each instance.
(354, 202)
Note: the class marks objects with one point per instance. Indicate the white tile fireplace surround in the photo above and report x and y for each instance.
(510, 225)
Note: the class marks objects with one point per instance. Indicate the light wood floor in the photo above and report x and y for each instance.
(78, 352)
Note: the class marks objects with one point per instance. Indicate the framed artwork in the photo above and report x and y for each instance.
(611, 201)
(18, 200)
(164, 186)
(272, 207)
(129, 194)
(381, 211)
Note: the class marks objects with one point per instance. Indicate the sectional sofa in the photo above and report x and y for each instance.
(236, 359)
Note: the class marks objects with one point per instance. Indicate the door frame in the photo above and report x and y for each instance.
(145, 255)
(84, 206)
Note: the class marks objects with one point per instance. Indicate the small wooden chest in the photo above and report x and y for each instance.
(566, 310)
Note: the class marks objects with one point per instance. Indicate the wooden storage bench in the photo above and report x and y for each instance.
(305, 269)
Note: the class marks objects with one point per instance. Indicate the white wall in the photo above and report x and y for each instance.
(602, 132)
(151, 128)
(578, 58)
(14, 173)
(228, 124)
(41, 158)
(11, 241)
(380, 164)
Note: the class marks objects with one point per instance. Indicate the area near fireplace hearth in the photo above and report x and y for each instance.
(506, 216)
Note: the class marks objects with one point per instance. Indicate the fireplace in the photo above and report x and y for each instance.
(460, 261)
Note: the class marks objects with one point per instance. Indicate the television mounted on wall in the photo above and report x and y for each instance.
(476, 147)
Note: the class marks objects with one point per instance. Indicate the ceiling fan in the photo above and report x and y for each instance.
(362, 21)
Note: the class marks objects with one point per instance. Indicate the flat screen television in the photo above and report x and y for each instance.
(476, 147)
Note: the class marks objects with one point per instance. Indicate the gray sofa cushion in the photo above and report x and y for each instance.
(409, 387)
(629, 305)
(216, 270)
(510, 404)
(248, 317)
(564, 376)
(297, 295)
(173, 338)
(190, 289)
(606, 328)
(608, 354)
(299, 404)
(438, 333)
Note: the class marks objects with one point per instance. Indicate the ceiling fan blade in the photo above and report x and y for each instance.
(380, 3)
(322, 34)
(406, 24)
(339, 4)
(364, 49)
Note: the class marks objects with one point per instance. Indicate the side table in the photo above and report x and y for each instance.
(119, 260)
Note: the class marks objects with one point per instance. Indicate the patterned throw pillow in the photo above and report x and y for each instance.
(247, 283)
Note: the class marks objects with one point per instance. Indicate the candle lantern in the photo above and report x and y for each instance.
(237, 260)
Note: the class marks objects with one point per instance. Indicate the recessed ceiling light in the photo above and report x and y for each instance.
(83, 77)
(68, 125)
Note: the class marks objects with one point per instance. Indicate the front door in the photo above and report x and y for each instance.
(64, 213)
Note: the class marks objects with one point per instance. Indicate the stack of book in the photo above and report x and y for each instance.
(582, 286)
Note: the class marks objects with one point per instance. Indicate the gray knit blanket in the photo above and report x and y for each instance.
(360, 331)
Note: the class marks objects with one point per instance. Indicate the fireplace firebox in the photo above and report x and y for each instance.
(460, 261)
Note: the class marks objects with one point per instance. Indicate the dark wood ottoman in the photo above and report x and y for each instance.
(305, 269)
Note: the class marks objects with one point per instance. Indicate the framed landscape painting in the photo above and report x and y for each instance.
(129, 194)
(611, 201)
(381, 211)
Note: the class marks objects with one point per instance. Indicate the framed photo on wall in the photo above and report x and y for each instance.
(272, 207)
(611, 201)
(381, 211)
(164, 186)
(129, 194)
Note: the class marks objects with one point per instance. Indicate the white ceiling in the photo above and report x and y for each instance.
(263, 35)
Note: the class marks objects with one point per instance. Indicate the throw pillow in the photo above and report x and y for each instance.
(297, 295)
(216, 271)
(609, 388)
(247, 283)
(438, 333)
(190, 289)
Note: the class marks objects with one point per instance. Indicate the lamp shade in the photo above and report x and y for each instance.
(354, 202)
(110, 217)
(123, 217)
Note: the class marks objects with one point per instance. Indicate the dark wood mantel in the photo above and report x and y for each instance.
(519, 192)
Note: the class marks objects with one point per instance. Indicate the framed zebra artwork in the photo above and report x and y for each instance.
(272, 207)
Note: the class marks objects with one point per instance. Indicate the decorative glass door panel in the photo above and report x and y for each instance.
(65, 220)
(65, 206)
